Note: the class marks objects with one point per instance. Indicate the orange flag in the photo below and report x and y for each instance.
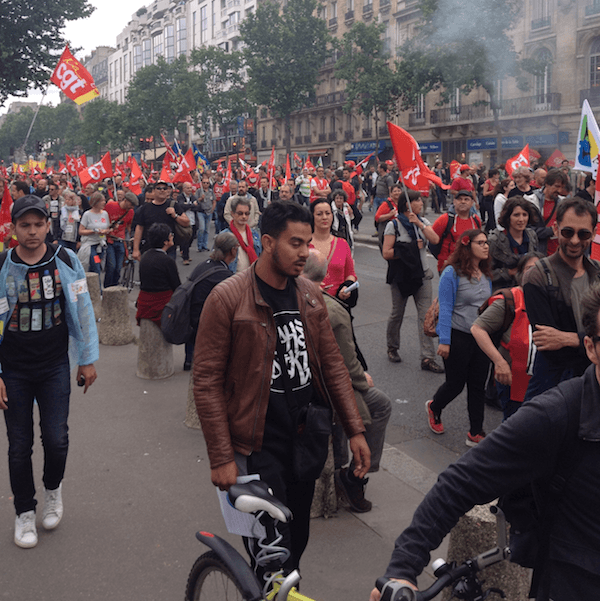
(74, 79)
(5, 219)
(97, 172)
(288, 171)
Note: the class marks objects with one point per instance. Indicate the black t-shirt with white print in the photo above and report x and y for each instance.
(291, 380)
(37, 334)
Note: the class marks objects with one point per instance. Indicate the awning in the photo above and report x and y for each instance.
(318, 151)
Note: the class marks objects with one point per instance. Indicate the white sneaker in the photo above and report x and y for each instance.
(53, 508)
(25, 532)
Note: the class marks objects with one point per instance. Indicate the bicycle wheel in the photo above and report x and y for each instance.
(127, 277)
(211, 580)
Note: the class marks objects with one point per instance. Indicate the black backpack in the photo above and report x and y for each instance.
(435, 249)
(175, 321)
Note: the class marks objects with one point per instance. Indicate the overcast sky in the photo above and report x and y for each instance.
(100, 29)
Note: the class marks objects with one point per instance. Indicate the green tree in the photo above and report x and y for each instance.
(13, 132)
(284, 49)
(31, 39)
(463, 45)
(221, 95)
(372, 86)
(104, 127)
(154, 100)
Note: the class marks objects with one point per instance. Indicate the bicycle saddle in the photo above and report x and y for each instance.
(254, 496)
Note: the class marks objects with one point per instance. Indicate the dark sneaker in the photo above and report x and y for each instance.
(435, 421)
(352, 492)
(431, 365)
(187, 366)
(393, 356)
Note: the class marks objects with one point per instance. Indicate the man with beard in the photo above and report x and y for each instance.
(553, 290)
(267, 364)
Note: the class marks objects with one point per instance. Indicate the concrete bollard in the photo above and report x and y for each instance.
(155, 354)
(191, 415)
(475, 533)
(325, 499)
(115, 327)
(93, 283)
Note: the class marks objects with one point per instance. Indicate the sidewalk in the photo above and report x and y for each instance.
(137, 488)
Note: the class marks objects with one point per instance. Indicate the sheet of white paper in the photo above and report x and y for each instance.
(238, 522)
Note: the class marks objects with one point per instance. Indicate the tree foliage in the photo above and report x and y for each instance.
(31, 39)
(284, 49)
(372, 86)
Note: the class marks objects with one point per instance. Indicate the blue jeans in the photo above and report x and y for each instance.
(51, 387)
(203, 226)
(546, 375)
(377, 202)
(115, 255)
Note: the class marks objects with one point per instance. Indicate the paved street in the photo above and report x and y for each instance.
(137, 484)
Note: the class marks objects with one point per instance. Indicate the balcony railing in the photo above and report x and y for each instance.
(540, 23)
(273, 142)
(592, 96)
(416, 118)
(263, 143)
(348, 135)
(515, 107)
(383, 130)
(367, 133)
(322, 137)
(333, 22)
(367, 8)
(384, 5)
(592, 9)
(298, 140)
(332, 136)
(333, 98)
(308, 139)
(349, 16)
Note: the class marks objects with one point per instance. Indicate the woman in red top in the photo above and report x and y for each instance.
(387, 211)
(340, 265)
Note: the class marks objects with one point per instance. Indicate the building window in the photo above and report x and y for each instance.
(455, 102)
(169, 43)
(157, 46)
(540, 14)
(137, 57)
(420, 108)
(181, 37)
(203, 24)
(214, 17)
(350, 5)
(595, 63)
(387, 39)
(125, 63)
(333, 10)
(349, 122)
(323, 125)
(543, 82)
(120, 69)
(299, 128)
(332, 125)
(147, 52)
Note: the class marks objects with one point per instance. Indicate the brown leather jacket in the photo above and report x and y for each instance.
(233, 363)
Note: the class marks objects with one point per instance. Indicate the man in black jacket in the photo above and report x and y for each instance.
(553, 291)
(528, 447)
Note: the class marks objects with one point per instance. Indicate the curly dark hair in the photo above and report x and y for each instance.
(510, 205)
(460, 258)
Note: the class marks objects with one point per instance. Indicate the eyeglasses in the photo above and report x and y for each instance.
(569, 232)
(242, 214)
(481, 243)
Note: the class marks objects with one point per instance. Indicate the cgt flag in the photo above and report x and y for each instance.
(521, 160)
(96, 172)
(74, 79)
(414, 170)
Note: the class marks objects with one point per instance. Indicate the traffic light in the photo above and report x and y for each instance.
(234, 147)
(142, 143)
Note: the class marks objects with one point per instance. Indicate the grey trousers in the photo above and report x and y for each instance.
(380, 408)
(422, 298)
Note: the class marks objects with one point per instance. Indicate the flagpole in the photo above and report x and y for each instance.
(37, 110)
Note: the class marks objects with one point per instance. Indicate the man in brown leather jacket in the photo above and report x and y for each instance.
(264, 352)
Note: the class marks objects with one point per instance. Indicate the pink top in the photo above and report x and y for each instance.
(341, 265)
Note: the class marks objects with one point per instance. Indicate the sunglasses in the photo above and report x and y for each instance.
(161, 188)
(569, 232)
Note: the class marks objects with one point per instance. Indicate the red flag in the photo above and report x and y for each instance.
(271, 167)
(70, 163)
(187, 164)
(297, 160)
(288, 171)
(5, 219)
(227, 180)
(135, 176)
(166, 175)
(415, 172)
(454, 169)
(172, 157)
(309, 165)
(80, 163)
(97, 172)
(520, 160)
(62, 167)
(74, 79)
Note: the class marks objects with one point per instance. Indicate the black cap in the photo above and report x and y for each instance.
(28, 203)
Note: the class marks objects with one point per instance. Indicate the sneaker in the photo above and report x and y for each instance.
(431, 365)
(352, 492)
(187, 366)
(25, 533)
(473, 441)
(53, 508)
(393, 356)
(435, 421)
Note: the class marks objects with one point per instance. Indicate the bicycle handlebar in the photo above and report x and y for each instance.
(392, 590)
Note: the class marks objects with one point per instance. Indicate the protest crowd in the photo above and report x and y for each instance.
(516, 250)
